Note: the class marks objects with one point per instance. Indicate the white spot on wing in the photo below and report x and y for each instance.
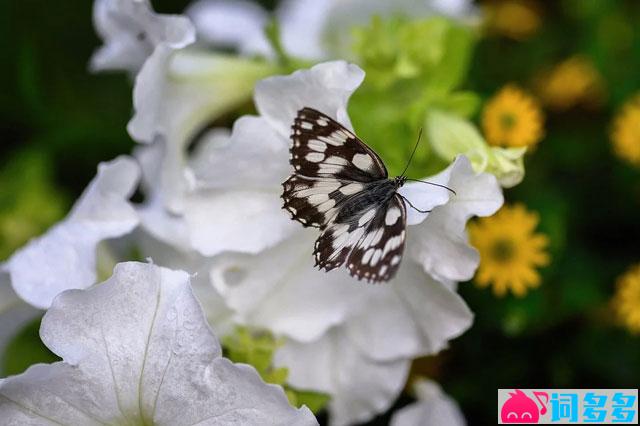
(376, 257)
(329, 169)
(392, 216)
(367, 255)
(326, 205)
(352, 188)
(306, 125)
(335, 160)
(362, 161)
(333, 139)
(316, 145)
(365, 218)
(314, 157)
(318, 198)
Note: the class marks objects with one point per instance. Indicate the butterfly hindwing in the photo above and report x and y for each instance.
(371, 243)
(322, 147)
(377, 254)
(336, 242)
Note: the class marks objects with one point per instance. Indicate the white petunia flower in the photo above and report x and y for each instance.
(177, 93)
(309, 29)
(137, 350)
(273, 284)
(131, 31)
(65, 257)
(433, 408)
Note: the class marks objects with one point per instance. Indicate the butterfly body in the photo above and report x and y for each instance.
(341, 186)
(376, 193)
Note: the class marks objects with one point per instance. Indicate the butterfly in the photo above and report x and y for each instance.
(342, 187)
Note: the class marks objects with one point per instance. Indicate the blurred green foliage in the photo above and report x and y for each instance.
(29, 201)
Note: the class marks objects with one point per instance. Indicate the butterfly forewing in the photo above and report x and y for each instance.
(331, 164)
(322, 147)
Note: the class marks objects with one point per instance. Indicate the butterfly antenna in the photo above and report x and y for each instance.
(434, 184)
(412, 206)
(414, 151)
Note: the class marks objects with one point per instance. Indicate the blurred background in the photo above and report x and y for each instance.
(579, 62)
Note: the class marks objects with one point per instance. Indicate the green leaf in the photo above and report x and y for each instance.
(315, 401)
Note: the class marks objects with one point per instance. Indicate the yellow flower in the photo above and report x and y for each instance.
(626, 132)
(572, 81)
(626, 301)
(510, 250)
(512, 118)
(516, 19)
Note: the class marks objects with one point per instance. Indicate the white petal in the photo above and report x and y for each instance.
(155, 218)
(302, 24)
(231, 23)
(280, 290)
(238, 205)
(433, 408)
(426, 197)
(325, 87)
(359, 387)
(177, 93)
(246, 221)
(137, 349)
(440, 242)
(131, 30)
(254, 156)
(64, 257)
(413, 315)
(219, 316)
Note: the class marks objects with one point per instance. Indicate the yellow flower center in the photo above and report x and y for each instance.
(503, 250)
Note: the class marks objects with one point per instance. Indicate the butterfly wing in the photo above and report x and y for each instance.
(315, 201)
(330, 165)
(322, 147)
(377, 255)
(371, 245)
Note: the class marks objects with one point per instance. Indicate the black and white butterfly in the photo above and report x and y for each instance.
(341, 186)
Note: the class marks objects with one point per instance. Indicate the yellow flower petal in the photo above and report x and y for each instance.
(626, 132)
(626, 301)
(510, 250)
(512, 118)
